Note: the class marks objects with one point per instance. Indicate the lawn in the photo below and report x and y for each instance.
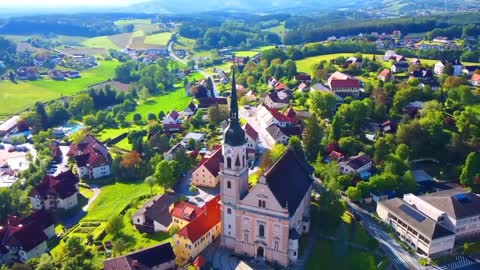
(476, 108)
(246, 53)
(100, 42)
(160, 39)
(184, 43)
(114, 198)
(279, 29)
(18, 97)
(132, 21)
(174, 100)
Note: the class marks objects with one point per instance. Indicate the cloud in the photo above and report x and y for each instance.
(65, 3)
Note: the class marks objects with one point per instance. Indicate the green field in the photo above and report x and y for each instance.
(175, 100)
(160, 39)
(183, 43)
(279, 29)
(132, 21)
(100, 42)
(246, 53)
(18, 97)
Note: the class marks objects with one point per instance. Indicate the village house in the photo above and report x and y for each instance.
(475, 80)
(26, 238)
(303, 87)
(206, 103)
(275, 135)
(56, 152)
(10, 125)
(356, 164)
(399, 67)
(154, 216)
(251, 96)
(277, 100)
(344, 85)
(252, 141)
(172, 118)
(423, 75)
(160, 257)
(386, 75)
(200, 232)
(207, 172)
(57, 75)
(264, 221)
(267, 117)
(56, 192)
(357, 62)
(470, 70)
(456, 65)
(424, 235)
(27, 73)
(303, 78)
(190, 110)
(416, 61)
(194, 137)
(457, 209)
(171, 154)
(91, 157)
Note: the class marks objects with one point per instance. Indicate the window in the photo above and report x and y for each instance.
(294, 253)
(261, 230)
(229, 162)
(229, 226)
(229, 211)
(261, 203)
(229, 184)
(275, 246)
(245, 237)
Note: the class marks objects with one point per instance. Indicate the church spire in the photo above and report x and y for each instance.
(233, 97)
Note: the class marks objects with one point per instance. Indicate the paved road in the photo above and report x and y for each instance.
(401, 258)
(96, 191)
(174, 56)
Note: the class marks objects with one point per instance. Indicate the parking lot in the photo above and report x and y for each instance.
(17, 161)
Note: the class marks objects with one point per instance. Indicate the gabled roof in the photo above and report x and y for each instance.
(187, 211)
(275, 132)
(385, 73)
(212, 163)
(174, 115)
(90, 152)
(207, 102)
(251, 132)
(341, 80)
(61, 186)
(415, 219)
(476, 77)
(289, 179)
(457, 203)
(143, 259)
(157, 209)
(204, 222)
(358, 161)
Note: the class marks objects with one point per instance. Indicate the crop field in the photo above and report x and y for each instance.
(18, 97)
(100, 42)
(121, 40)
(183, 43)
(132, 21)
(82, 50)
(160, 39)
(175, 100)
(246, 53)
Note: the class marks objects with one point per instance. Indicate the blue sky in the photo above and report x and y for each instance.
(66, 3)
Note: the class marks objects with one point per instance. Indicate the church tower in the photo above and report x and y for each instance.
(234, 172)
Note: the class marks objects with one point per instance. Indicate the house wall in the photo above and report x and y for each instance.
(36, 203)
(185, 249)
(203, 178)
(35, 252)
(68, 203)
(345, 169)
(157, 227)
(100, 172)
(165, 266)
(138, 220)
(438, 69)
(50, 231)
(83, 172)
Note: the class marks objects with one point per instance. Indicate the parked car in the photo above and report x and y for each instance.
(22, 149)
(12, 149)
(2, 146)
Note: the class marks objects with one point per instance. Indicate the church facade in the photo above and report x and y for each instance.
(266, 220)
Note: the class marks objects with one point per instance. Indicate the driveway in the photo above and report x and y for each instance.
(203, 195)
(96, 191)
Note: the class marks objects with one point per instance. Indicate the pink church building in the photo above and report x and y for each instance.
(265, 221)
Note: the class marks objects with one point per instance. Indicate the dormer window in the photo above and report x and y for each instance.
(261, 203)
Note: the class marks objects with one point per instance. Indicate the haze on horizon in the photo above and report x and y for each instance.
(66, 3)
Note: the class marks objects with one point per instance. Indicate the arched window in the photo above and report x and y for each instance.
(229, 184)
(229, 162)
(229, 211)
(261, 230)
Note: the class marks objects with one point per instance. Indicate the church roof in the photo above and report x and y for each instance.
(289, 179)
(234, 134)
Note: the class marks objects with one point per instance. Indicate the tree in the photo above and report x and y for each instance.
(382, 149)
(119, 246)
(131, 160)
(277, 151)
(353, 193)
(312, 136)
(144, 94)
(151, 117)
(296, 145)
(323, 103)
(81, 105)
(137, 118)
(471, 170)
(350, 145)
(453, 82)
(290, 68)
(218, 113)
(164, 175)
(115, 225)
(403, 152)
(151, 182)
(191, 64)
(45, 263)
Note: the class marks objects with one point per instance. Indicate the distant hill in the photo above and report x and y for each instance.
(389, 6)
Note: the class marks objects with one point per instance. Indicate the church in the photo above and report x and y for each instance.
(264, 221)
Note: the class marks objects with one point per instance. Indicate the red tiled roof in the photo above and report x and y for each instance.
(186, 211)
(280, 86)
(172, 127)
(212, 164)
(476, 77)
(251, 132)
(303, 77)
(89, 152)
(62, 186)
(385, 73)
(335, 155)
(174, 115)
(204, 222)
(348, 83)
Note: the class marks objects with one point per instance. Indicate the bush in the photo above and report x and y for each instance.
(193, 189)
(423, 261)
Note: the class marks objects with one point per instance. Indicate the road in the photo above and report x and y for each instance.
(400, 258)
(96, 191)
(174, 56)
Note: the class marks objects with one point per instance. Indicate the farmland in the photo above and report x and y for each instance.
(20, 96)
(160, 39)
(100, 42)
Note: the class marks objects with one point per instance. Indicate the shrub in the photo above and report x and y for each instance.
(193, 189)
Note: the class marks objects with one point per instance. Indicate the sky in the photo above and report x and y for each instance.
(66, 3)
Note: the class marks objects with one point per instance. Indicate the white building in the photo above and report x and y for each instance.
(423, 234)
(356, 164)
(92, 158)
(55, 192)
(154, 216)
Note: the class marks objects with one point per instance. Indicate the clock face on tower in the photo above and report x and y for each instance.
(228, 151)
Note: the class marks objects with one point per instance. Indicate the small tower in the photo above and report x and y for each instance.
(234, 171)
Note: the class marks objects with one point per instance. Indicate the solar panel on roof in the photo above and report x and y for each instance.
(412, 213)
